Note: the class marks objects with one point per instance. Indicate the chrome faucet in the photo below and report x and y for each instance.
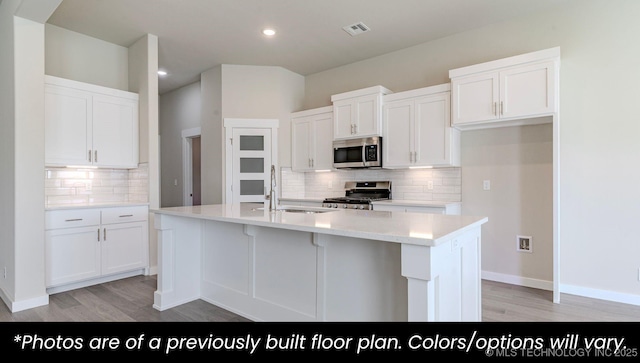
(272, 192)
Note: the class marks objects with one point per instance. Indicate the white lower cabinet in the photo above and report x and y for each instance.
(87, 246)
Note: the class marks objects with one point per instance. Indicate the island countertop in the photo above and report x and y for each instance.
(406, 227)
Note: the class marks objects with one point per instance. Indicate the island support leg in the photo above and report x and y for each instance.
(178, 261)
(443, 281)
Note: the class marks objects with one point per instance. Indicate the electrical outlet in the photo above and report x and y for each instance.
(175, 182)
(430, 184)
(486, 185)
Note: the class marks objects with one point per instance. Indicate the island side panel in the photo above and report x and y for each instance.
(444, 281)
(275, 274)
(178, 260)
(363, 280)
(261, 273)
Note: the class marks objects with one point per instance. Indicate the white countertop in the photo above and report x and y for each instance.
(94, 205)
(412, 228)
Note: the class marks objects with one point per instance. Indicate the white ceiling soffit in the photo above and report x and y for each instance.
(196, 35)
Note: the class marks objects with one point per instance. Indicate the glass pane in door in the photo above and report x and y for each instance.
(252, 187)
(252, 165)
(251, 142)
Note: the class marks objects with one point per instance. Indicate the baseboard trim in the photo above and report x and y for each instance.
(99, 280)
(592, 293)
(518, 280)
(15, 306)
(600, 294)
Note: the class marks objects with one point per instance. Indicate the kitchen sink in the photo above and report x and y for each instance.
(310, 211)
(299, 210)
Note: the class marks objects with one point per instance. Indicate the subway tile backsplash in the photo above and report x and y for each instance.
(70, 186)
(406, 184)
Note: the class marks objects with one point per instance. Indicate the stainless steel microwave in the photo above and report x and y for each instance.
(357, 153)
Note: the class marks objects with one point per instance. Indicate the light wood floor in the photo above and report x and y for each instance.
(130, 300)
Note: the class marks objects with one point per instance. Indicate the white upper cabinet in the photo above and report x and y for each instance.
(512, 91)
(312, 139)
(417, 129)
(90, 125)
(358, 113)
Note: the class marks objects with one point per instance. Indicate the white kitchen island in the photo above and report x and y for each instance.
(341, 265)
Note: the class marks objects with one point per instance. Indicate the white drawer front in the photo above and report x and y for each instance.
(72, 218)
(125, 214)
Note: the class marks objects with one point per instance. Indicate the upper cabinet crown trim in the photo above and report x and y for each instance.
(446, 87)
(361, 92)
(545, 54)
(69, 83)
(313, 111)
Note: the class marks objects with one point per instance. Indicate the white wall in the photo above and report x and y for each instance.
(22, 67)
(518, 162)
(212, 139)
(263, 92)
(179, 110)
(599, 92)
(238, 91)
(143, 79)
(7, 150)
(82, 58)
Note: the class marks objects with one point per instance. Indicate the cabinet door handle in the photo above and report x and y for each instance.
(411, 156)
(95, 156)
(126, 215)
(98, 234)
(355, 128)
(89, 155)
(351, 129)
(73, 220)
(312, 163)
(415, 156)
(309, 163)
(104, 234)
(501, 107)
(494, 108)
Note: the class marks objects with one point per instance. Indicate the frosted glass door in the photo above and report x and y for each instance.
(251, 165)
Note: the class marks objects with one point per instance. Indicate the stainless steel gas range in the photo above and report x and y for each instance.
(360, 195)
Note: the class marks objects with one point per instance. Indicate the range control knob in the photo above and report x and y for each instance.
(344, 206)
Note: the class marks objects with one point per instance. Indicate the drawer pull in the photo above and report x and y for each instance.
(73, 220)
(126, 215)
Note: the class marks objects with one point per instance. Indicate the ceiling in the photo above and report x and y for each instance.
(195, 35)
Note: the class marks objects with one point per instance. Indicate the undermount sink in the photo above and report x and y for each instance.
(289, 210)
(299, 210)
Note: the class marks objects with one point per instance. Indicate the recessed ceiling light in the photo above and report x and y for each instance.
(269, 32)
(162, 73)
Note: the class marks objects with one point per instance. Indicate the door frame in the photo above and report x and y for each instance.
(246, 123)
(187, 161)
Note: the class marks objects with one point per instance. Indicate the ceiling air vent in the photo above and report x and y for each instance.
(355, 29)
